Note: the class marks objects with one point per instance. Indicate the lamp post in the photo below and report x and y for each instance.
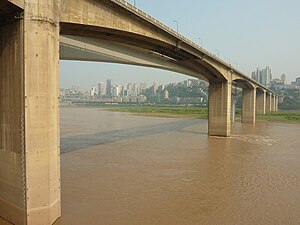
(201, 42)
(176, 21)
(228, 60)
(217, 53)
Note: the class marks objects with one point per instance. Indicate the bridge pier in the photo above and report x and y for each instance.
(276, 104)
(249, 105)
(233, 107)
(261, 102)
(269, 102)
(219, 109)
(29, 116)
(273, 103)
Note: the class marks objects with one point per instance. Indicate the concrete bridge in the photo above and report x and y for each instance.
(35, 34)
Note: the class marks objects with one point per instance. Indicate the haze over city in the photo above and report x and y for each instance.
(248, 34)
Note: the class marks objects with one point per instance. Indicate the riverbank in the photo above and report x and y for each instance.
(199, 113)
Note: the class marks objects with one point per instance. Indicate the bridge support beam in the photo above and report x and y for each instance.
(233, 107)
(269, 102)
(249, 105)
(219, 123)
(29, 116)
(274, 103)
(261, 103)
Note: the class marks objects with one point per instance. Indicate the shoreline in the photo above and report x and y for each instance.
(189, 112)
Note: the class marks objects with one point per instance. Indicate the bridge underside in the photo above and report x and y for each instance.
(91, 49)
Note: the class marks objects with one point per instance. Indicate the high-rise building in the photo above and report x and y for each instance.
(101, 89)
(108, 88)
(143, 87)
(93, 91)
(283, 78)
(263, 76)
(75, 88)
(115, 91)
(298, 81)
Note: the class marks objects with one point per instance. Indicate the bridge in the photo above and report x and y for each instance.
(35, 34)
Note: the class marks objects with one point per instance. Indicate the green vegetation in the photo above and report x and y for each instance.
(285, 117)
(199, 113)
(163, 111)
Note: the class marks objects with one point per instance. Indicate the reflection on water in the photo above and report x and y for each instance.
(120, 169)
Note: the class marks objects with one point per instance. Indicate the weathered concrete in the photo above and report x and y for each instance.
(261, 102)
(41, 90)
(12, 152)
(249, 105)
(29, 121)
(219, 111)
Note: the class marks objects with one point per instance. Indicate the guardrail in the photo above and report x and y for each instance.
(152, 20)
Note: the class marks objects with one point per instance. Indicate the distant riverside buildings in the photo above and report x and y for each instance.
(263, 76)
(192, 91)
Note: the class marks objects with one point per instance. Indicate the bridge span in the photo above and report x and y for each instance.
(35, 34)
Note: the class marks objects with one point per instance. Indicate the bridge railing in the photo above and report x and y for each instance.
(166, 28)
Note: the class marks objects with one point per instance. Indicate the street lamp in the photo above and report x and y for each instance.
(217, 52)
(228, 60)
(201, 42)
(176, 21)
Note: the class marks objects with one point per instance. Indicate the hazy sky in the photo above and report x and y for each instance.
(251, 34)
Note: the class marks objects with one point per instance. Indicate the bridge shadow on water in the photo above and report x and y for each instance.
(78, 142)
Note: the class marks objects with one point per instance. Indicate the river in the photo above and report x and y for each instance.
(120, 169)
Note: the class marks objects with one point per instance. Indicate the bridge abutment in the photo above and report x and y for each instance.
(219, 122)
(29, 121)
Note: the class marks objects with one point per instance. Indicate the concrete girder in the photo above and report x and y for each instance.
(87, 49)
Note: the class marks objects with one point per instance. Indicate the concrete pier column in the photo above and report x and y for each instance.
(261, 102)
(233, 108)
(274, 103)
(29, 116)
(269, 102)
(249, 105)
(41, 90)
(219, 123)
(12, 150)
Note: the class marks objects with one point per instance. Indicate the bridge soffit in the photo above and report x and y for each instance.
(109, 16)
(244, 83)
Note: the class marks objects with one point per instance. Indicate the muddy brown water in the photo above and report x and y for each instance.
(120, 169)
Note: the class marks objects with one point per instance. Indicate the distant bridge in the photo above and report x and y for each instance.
(35, 34)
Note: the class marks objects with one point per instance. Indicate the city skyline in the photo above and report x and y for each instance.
(249, 35)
